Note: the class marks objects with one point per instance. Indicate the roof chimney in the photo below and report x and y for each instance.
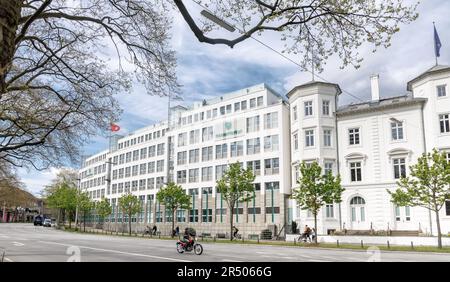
(375, 86)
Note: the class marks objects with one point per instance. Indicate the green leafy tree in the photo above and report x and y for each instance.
(103, 208)
(85, 204)
(236, 186)
(173, 197)
(316, 190)
(428, 186)
(130, 205)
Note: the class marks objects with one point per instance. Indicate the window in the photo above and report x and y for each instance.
(327, 137)
(182, 158)
(253, 124)
(447, 207)
(295, 141)
(271, 120)
(128, 157)
(308, 108)
(143, 153)
(355, 171)
(182, 139)
(237, 106)
(271, 143)
(150, 183)
(194, 136)
(244, 105)
(142, 169)
(237, 149)
(309, 138)
(207, 134)
(207, 173)
(448, 157)
(121, 170)
(128, 171)
(220, 170)
(207, 154)
(214, 113)
(399, 168)
(229, 109)
(441, 91)
(222, 110)
(353, 134)
(326, 107)
(151, 167)
(160, 166)
(271, 166)
(221, 151)
(151, 151)
(397, 130)
(208, 114)
(194, 156)
(444, 123)
(135, 155)
(259, 101)
(253, 146)
(252, 103)
(329, 211)
(142, 184)
(160, 150)
(328, 167)
(255, 166)
(294, 112)
(193, 175)
(357, 205)
(181, 176)
(160, 181)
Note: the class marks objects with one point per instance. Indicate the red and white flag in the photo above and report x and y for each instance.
(114, 127)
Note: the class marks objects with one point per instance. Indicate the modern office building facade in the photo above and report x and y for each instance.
(371, 145)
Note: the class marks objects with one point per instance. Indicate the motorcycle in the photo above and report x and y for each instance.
(189, 246)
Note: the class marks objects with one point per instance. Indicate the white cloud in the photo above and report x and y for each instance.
(35, 181)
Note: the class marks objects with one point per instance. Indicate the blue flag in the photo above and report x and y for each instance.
(437, 43)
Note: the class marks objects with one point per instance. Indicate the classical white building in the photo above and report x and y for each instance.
(371, 145)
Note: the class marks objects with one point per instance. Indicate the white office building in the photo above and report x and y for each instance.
(371, 145)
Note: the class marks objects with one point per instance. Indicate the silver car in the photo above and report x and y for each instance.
(47, 222)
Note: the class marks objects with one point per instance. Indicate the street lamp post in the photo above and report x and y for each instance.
(76, 210)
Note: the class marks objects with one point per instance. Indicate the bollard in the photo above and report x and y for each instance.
(362, 244)
(258, 239)
(295, 242)
(337, 242)
(159, 235)
(214, 238)
(412, 245)
(242, 238)
(388, 245)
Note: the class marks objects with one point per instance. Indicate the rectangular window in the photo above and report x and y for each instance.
(253, 124)
(182, 139)
(271, 120)
(447, 208)
(135, 155)
(151, 151)
(255, 166)
(151, 167)
(207, 133)
(193, 175)
(221, 151)
(308, 108)
(207, 154)
(128, 157)
(271, 166)
(237, 149)
(237, 106)
(182, 158)
(294, 112)
(220, 170)
(229, 109)
(327, 138)
(441, 91)
(326, 108)
(128, 171)
(329, 210)
(244, 105)
(160, 150)
(309, 138)
(444, 121)
(252, 103)
(259, 101)
(328, 167)
(222, 110)
(271, 143)
(397, 130)
(399, 168)
(181, 176)
(143, 153)
(150, 183)
(295, 141)
(355, 171)
(194, 156)
(207, 173)
(194, 136)
(353, 134)
(214, 113)
(142, 169)
(253, 146)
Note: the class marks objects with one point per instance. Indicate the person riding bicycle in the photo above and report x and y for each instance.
(306, 234)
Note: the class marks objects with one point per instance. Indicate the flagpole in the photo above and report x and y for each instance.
(435, 55)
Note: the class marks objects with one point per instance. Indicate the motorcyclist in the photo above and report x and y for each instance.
(187, 236)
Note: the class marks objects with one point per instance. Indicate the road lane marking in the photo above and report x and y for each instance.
(17, 244)
(8, 260)
(231, 260)
(115, 251)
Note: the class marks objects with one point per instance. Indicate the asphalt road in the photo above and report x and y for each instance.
(25, 242)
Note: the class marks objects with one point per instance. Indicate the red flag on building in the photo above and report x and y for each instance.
(114, 127)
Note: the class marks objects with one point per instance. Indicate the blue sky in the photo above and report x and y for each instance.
(206, 71)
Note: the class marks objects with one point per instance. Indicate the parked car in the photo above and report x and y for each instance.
(47, 222)
(38, 220)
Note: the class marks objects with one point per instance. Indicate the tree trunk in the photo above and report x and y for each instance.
(315, 228)
(173, 223)
(10, 11)
(231, 223)
(70, 220)
(438, 226)
(84, 221)
(129, 223)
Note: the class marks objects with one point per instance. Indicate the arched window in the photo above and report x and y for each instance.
(357, 201)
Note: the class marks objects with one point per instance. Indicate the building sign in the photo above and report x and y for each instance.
(230, 129)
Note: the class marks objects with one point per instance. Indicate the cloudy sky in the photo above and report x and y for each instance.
(206, 71)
